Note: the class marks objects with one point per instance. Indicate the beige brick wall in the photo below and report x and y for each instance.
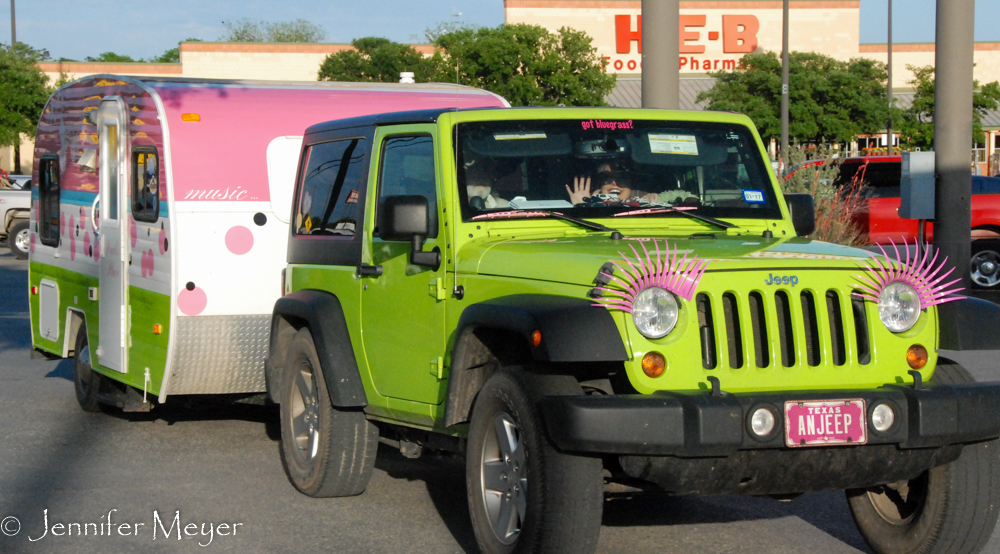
(986, 56)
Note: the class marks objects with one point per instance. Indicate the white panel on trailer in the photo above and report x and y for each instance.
(48, 309)
(282, 164)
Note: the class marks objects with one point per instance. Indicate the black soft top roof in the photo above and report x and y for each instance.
(390, 118)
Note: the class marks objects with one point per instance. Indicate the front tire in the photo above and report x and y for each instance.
(18, 240)
(326, 451)
(524, 495)
(949, 509)
(86, 381)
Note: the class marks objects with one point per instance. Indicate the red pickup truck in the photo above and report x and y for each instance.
(882, 223)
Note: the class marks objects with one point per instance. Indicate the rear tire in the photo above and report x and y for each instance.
(524, 495)
(326, 451)
(18, 240)
(86, 381)
(949, 509)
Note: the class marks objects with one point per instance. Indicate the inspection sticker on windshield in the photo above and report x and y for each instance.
(518, 136)
(673, 144)
(751, 196)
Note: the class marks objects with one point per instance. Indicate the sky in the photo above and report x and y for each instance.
(76, 29)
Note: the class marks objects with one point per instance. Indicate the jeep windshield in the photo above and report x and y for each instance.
(604, 168)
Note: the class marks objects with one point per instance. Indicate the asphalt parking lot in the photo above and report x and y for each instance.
(217, 467)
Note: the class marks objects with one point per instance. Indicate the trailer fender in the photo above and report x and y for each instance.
(322, 313)
(75, 318)
(566, 326)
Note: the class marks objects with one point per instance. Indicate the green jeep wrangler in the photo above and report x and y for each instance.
(585, 301)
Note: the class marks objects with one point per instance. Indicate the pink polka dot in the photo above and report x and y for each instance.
(97, 248)
(239, 240)
(72, 239)
(132, 231)
(31, 243)
(86, 244)
(62, 224)
(163, 242)
(192, 302)
(147, 263)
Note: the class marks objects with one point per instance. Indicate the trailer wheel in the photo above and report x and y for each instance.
(18, 240)
(326, 451)
(86, 381)
(949, 509)
(524, 495)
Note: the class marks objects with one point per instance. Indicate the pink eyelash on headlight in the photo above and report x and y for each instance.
(679, 277)
(921, 273)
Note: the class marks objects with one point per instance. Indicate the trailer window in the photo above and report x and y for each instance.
(48, 200)
(330, 200)
(145, 184)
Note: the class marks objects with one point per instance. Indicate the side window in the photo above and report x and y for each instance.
(48, 200)
(332, 186)
(145, 184)
(407, 169)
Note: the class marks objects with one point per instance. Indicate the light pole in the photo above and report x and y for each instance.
(13, 29)
(888, 131)
(784, 87)
(953, 72)
(660, 46)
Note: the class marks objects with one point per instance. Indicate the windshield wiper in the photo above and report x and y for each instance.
(581, 222)
(686, 211)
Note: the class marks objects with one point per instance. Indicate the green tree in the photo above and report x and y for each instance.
(917, 125)
(110, 57)
(527, 65)
(172, 55)
(380, 60)
(829, 100)
(23, 93)
(246, 30)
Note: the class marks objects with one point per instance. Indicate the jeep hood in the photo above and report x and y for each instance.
(576, 260)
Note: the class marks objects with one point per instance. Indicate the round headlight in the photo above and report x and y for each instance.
(654, 312)
(898, 307)
(883, 417)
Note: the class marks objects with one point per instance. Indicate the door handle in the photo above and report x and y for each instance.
(366, 270)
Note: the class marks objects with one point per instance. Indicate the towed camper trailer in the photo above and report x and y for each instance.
(159, 223)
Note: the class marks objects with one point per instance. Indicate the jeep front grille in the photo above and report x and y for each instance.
(808, 328)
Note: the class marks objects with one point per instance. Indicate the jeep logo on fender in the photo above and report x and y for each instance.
(773, 279)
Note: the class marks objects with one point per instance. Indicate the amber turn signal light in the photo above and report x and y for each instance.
(157, 328)
(653, 364)
(536, 338)
(916, 356)
(190, 117)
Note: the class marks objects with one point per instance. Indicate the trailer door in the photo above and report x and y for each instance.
(113, 215)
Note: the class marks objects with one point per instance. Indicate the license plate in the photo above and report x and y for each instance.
(825, 423)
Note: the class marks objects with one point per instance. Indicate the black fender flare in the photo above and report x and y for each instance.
(322, 313)
(572, 330)
(968, 324)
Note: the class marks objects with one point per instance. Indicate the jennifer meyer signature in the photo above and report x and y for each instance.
(160, 527)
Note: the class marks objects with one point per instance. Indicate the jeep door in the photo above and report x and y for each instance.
(402, 311)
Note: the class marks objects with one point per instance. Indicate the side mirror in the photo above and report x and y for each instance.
(404, 218)
(800, 207)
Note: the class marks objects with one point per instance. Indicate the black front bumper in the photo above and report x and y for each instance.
(701, 443)
(702, 424)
